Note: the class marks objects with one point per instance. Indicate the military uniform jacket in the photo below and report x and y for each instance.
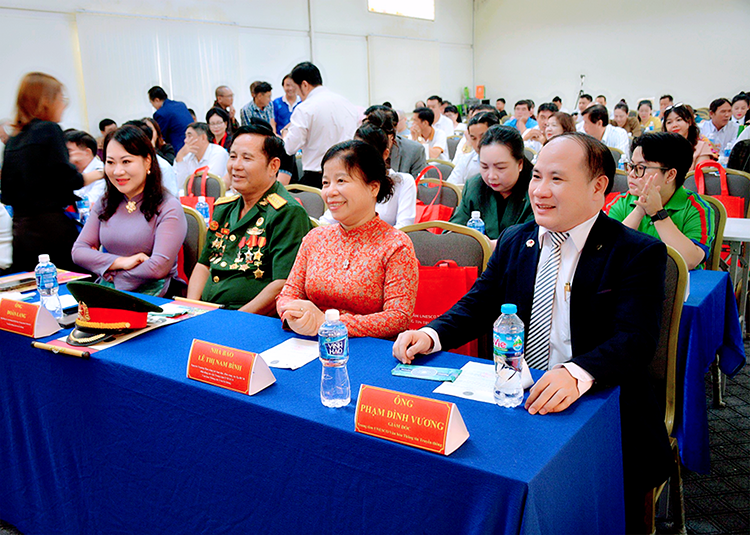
(245, 255)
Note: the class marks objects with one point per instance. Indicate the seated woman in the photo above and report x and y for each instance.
(452, 113)
(657, 203)
(680, 119)
(362, 266)
(138, 225)
(163, 149)
(401, 209)
(500, 192)
(557, 124)
(648, 122)
(622, 119)
(218, 123)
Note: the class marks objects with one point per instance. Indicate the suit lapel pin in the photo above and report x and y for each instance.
(599, 247)
(530, 243)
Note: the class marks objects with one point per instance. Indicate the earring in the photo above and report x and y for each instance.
(148, 172)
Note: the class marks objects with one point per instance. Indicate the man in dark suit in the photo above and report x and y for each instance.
(407, 156)
(606, 314)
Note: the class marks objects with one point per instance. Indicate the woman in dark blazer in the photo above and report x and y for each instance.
(38, 180)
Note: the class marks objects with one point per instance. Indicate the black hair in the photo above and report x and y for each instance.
(646, 102)
(273, 145)
(221, 113)
(512, 140)
(587, 97)
(602, 96)
(547, 106)
(362, 159)
(556, 99)
(596, 113)
(200, 128)
(285, 77)
(191, 111)
(150, 121)
(688, 115)
(306, 72)
(451, 108)
(668, 150)
(489, 118)
(260, 87)
(523, 102)
(718, 103)
(157, 92)
(669, 97)
(387, 104)
(373, 135)
(741, 96)
(482, 107)
(622, 105)
(143, 125)
(598, 157)
(135, 142)
(435, 97)
(382, 118)
(104, 123)
(501, 99)
(425, 114)
(390, 112)
(82, 140)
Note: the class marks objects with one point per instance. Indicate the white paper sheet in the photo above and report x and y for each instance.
(66, 301)
(291, 354)
(477, 382)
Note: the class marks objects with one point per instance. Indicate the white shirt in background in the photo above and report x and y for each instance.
(215, 157)
(317, 123)
(439, 139)
(168, 176)
(466, 167)
(617, 137)
(721, 138)
(95, 190)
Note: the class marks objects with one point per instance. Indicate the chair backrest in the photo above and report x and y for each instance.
(446, 168)
(616, 154)
(194, 239)
(214, 185)
(529, 153)
(463, 245)
(621, 181)
(720, 221)
(738, 183)
(450, 194)
(310, 198)
(663, 367)
(703, 113)
(453, 142)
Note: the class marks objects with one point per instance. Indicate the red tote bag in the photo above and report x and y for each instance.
(432, 211)
(191, 200)
(735, 205)
(440, 287)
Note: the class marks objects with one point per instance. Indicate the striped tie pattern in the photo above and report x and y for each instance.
(537, 344)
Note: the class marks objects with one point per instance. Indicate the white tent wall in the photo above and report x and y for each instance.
(109, 53)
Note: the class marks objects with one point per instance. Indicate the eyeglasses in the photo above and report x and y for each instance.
(639, 169)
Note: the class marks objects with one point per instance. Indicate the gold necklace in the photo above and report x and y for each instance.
(131, 207)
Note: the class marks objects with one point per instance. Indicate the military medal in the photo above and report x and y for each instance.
(258, 273)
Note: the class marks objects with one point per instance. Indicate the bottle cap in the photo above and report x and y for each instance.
(201, 199)
(508, 308)
(475, 214)
(332, 315)
(43, 258)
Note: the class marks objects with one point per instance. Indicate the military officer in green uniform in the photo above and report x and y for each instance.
(253, 237)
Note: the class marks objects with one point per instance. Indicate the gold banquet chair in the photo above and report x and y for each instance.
(450, 194)
(446, 168)
(214, 185)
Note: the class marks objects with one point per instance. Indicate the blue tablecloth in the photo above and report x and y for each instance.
(709, 326)
(125, 442)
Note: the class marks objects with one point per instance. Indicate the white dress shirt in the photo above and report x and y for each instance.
(317, 123)
(439, 139)
(168, 177)
(215, 157)
(445, 125)
(721, 138)
(467, 167)
(398, 211)
(617, 137)
(460, 150)
(95, 190)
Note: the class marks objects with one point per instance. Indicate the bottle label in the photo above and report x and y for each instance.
(46, 279)
(334, 348)
(508, 348)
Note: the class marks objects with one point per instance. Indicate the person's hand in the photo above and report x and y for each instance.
(231, 112)
(411, 343)
(126, 263)
(554, 392)
(415, 133)
(193, 146)
(302, 316)
(650, 198)
(636, 185)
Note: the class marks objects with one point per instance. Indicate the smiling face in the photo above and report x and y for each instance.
(290, 89)
(350, 200)
(126, 171)
(561, 194)
(217, 126)
(250, 171)
(677, 125)
(498, 168)
(554, 128)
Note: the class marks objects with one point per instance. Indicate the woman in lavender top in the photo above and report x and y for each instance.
(139, 226)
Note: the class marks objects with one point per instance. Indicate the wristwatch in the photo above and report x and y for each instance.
(658, 216)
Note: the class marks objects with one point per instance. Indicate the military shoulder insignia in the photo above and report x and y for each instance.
(226, 200)
(276, 200)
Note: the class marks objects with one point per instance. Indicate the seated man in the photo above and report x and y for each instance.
(253, 238)
(656, 202)
(720, 129)
(199, 152)
(534, 137)
(441, 122)
(82, 149)
(260, 106)
(105, 127)
(434, 141)
(597, 326)
(468, 163)
(596, 124)
(584, 101)
(522, 120)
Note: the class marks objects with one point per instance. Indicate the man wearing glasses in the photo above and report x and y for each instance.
(656, 202)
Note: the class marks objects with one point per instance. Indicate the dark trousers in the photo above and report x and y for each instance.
(313, 179)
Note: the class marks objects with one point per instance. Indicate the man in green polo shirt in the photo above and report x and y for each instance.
(659, 205)
(253, 237)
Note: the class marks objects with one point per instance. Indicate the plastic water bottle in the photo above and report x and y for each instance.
(84, 209)
(46, 282)
(508, 347)
(203, 210)
(724, 159)
(476, 222)
(333, 342)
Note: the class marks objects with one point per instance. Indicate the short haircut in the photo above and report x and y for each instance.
(587, 97)
(669, 150)
(602, 96)
(547, 106)
(566, 121)
(363, 158)
(557, 99)
(273, 145)
(645, 103)
(157, 92)
(435, 97)
(489, 118)
(476, 108)
(522, 102)
(718, 103)
(285, 78)
(597, 113)
(104, 123)
(597, 156)
(142, 124)
(306, 72)
(425, 114)
(200, 128)
(220, 90)
(387, 104)
(82, 140)
(622, 105)
(501, 99)
(260, 87)
(668, 97)
(741, 96)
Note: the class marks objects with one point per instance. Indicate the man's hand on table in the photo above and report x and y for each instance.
(411, 343)
(554, 392)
